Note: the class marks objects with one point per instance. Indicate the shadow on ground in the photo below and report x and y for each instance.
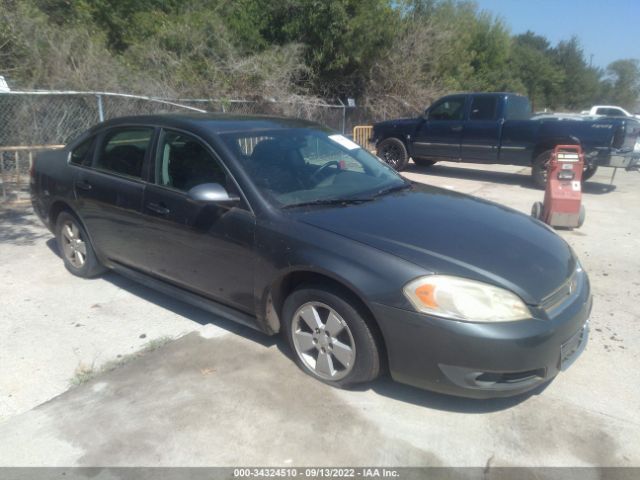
(505, 178)
(19, 226)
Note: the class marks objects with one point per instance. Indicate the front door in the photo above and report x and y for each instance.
(207, 249)
(440, 134)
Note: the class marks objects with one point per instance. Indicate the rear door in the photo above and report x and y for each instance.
(481, 133)
(207, 249)
(440, 134)
(109, 194)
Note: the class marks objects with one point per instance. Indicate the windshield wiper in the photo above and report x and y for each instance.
(331, 201)
(396, 188)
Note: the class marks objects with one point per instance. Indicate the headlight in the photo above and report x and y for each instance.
(462, 299)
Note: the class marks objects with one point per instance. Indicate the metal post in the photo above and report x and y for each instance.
(100, 108)
(16, 158)
(4, 180)
(344, 116)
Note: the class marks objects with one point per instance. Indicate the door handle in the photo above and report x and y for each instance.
(83, 185)
(158, 208)
(456, 129)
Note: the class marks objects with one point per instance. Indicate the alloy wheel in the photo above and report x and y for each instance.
(323, 341)
(391, 155)
(75, 249)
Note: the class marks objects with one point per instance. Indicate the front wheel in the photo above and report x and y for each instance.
(329, 337)
(394, 153)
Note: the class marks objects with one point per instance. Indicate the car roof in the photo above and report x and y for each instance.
(213, 122)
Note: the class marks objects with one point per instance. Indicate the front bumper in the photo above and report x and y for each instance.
(482, 360)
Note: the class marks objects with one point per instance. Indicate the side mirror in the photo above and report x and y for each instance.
(212, 193)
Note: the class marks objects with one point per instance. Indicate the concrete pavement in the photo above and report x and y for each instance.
(221, 394)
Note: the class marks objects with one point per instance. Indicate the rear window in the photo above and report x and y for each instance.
(484, 108)
(83, 153)
(518, 108)
(123, 151)
(610, 112)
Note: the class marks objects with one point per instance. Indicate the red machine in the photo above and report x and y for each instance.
(562, 199)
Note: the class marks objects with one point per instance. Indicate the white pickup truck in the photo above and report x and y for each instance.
(608, 111)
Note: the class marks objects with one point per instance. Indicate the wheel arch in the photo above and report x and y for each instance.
(60, 205)
(550, 143)
(276, 294)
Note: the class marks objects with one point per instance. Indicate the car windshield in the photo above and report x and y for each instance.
(302, 166)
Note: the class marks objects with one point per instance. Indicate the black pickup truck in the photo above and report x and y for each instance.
(499, 128)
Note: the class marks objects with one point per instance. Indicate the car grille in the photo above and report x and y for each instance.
(566, 291)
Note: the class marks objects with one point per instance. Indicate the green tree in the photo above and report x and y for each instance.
(532, 63)
(581, 83)
(624, 83)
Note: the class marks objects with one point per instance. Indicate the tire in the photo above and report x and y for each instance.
(536, 210)
(394, 153)
(589, 172)
(539, 169)
(339, 321)
(75, 247)
(424, 162)
(581, 216)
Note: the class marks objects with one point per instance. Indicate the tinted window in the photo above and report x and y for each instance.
(300, 165)
(183, 163)
(518, 108)
(448, 109)
(610, 112)
(484, 108)
(83, 153)
(123, 151)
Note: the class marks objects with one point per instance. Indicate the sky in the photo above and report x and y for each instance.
(607, 29)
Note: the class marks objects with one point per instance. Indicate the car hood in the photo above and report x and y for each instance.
(450, 233)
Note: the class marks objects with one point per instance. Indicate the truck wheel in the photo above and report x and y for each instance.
(589, 172)
(393, 152)
(539, 169)
(424, 162)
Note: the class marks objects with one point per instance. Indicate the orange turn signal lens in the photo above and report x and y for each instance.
(427, 295)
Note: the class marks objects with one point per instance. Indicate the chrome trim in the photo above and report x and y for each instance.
(429, 144)
(511, 147)
(564, 293)
(470, 145)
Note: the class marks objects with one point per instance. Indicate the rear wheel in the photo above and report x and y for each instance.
(539, 169)
(394, 153)
(329, 337)
(75, 247)
(424, 162)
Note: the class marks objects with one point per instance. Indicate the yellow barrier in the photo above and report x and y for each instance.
(362, 134)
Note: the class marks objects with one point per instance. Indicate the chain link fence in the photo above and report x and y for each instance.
(33, 121)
